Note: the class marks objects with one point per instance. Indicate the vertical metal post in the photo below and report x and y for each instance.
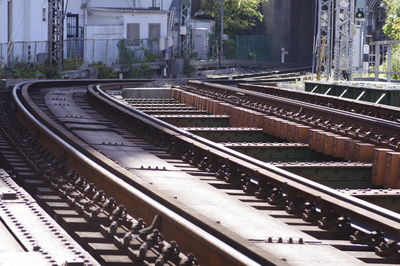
(377, 60)
(222, 29)
(389, 64)
(106, 52)
(34, 54)
(56, 32)
(344, 24)
(324, 36)
(93, 51)
(184, 27)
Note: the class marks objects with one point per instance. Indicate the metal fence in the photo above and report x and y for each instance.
(384, 59)
(249, 47)
(108, 51)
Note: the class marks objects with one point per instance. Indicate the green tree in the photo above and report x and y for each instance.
(392, 23)
(239, 15)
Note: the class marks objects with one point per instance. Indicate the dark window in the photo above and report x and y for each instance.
(154, 31)
(72, 25)
(154, 35)
(133, 33)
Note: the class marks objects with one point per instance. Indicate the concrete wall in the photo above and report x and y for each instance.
(277, 24)
(291, 25)
(27, 20)
(164, 4)
(3, 30)
(145, 18)
(22, 21)
(302, 31)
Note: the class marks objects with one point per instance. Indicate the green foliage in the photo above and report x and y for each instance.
(142, 71)
(188, 69)
(2, 72)
(22, 70)
(395, 62)
(72, 63)
(392, 23)
(151, 57)
(51, 72)
(104, 72)
(126, 55)
(239, 15)
(230, 49)
(26, 71)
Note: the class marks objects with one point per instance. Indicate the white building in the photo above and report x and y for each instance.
(99, 24)
(22, 21)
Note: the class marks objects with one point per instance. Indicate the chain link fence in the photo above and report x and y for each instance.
(248, 47)
(108, 51)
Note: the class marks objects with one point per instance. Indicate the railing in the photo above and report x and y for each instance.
(108, 51)
(384, 58)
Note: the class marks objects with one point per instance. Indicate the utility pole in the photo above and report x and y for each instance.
(184, 27)
(344, 26)
(222, 29)
(56, 32)
(221, 35)
(334, 40)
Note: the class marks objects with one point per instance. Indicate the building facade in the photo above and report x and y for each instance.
(93, 29)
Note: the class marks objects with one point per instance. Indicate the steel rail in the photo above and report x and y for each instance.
(363, 210)
(324, 99)
(313, 107)
(208, 225)
(170, 221)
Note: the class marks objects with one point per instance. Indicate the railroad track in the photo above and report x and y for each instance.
(273, 216)
(272, 77)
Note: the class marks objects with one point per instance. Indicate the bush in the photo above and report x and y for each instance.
(105, 72)
(3, 73)
(151, 57)
(72, 63)
(50, 71)
(142, 71)
(22, 70)
(126, 55)
(188, 69)
(395, 62)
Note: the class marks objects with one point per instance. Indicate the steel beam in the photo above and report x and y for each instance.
(56, 32)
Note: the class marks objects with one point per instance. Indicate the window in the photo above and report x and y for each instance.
(133, 33)
(154, 31)
(154, 35)
(44, 14)
(72, 25)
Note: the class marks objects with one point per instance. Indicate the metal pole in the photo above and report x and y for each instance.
(389, 64)
(34, 54)
(377, 60)
(315, 37)
(222, 29)
(93, 51)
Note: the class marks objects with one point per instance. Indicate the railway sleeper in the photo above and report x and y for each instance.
(321, 214)
(362, 132)
(79, 207)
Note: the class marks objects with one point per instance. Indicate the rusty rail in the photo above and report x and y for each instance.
(367, 128)
(328, 200)
(364, 211)
(207, 248)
